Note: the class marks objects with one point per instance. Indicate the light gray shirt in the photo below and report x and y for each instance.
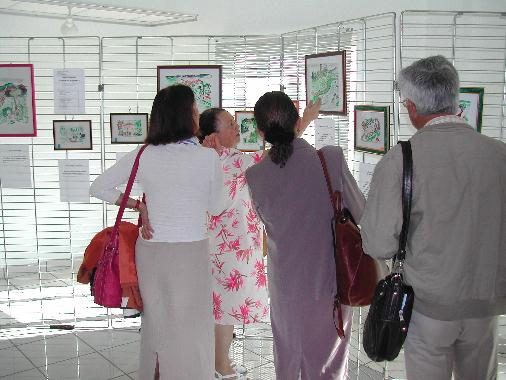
(456, 250)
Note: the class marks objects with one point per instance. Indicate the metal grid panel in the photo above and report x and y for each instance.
(43, 239)
(476, 44)
(126, 66)
(370, 43)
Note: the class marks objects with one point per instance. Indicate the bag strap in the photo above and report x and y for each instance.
(407, 195)
(128, 189)
(335, 197)
(336, 202)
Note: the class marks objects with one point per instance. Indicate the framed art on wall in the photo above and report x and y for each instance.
(326, 80)
(372, 129)
(72, 135)
(204, 80)
(249, 141)
(128, 128)
(471, 106)
(17, 101)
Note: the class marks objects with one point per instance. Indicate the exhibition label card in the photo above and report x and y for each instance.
(15, 166)
(325, 133)
(74, 180)
(69, 92)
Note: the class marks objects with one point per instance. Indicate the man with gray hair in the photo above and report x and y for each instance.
(456, 249)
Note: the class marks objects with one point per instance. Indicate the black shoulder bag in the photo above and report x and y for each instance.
(387, 323)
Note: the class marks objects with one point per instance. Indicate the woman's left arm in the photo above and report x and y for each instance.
(105, 187)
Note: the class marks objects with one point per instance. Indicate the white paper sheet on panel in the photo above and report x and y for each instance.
(69, 91)
(15, 166)
(325, 133)
(74, 180)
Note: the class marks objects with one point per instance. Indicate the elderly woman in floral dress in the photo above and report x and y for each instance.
(236, 243)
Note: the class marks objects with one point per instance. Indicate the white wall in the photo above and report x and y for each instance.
(241, 16)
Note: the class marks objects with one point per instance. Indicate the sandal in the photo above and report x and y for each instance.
(239, 368)
(236, 375)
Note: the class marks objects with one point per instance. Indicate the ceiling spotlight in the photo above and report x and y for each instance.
(69, 28)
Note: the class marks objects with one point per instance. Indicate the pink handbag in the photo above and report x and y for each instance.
(106, 285)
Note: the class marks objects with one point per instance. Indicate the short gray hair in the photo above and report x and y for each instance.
(432, 84)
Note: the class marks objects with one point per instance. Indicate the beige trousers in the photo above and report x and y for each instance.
(435, 349)
(177, 322)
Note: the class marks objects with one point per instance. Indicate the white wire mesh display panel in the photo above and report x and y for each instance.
(476, 44)
(370, 45)
(43, 239)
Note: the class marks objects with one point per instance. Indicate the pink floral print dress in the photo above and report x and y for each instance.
(236, 248)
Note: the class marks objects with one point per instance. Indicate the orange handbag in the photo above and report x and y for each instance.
(109, 260)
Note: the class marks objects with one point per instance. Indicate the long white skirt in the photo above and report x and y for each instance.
(177, 322)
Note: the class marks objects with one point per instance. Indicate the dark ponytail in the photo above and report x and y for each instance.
(276, 117)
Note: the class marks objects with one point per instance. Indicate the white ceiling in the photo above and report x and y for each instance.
(62, 9)
(239, 17)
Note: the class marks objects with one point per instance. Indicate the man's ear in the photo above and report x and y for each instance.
(411, 107)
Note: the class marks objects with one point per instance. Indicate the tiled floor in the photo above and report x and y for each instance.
(103, 347)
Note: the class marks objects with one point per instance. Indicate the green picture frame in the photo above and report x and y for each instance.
(250, 140)
(471, 106)
(372, 128)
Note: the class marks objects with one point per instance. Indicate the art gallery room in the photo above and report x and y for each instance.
(77, 83)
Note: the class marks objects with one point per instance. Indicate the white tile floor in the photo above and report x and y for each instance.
(103, 347)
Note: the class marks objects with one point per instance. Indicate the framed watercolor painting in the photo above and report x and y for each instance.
(17, 101)
(326, 80)
(205, 81)
(72, 135)
(471, 106)
(128, 128)
(372, 129)
(249, 141)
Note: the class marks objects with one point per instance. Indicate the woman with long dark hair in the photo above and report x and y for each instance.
(183, 181)
(290, 196)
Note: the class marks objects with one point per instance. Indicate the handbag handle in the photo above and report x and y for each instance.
(407, 195)
(335, 197)
(128, 189)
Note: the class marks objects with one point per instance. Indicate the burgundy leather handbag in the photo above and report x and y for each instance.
(357, 274)
(106, 284)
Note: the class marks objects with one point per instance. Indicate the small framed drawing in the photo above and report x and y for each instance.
(471, 106)
(204, 80)
(372, 129)
(326, 80)
(72, 135)
(17, 101)
(128, 128)
(249, 140)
